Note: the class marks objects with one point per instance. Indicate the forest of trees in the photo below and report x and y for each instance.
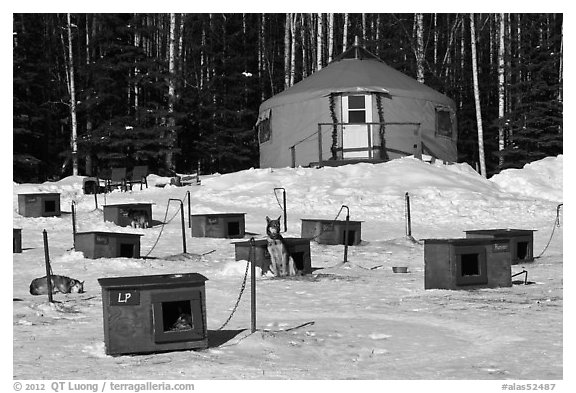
(182, 91)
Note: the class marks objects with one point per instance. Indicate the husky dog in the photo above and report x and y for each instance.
(282, 263)
(138, 218)
(62, 284)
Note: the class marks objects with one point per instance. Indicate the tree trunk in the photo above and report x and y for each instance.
(74, 124)
(345, 33)
(477, 97)
(420, 48)
(319, 43)
(501, 90)
(287, 51)
(171, 94)
(293, 20)
(330, 36)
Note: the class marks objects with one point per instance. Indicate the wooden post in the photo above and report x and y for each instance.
(319, 145)
(346, 233)
(74, 224)
(293, 155)
(408, 218)
(183, 227)
(48, 269)
(252, 262)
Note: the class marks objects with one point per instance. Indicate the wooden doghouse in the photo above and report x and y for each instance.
(45, 204)
(467, 263)
(97, 244)
(221, 225)
(155, 313)
(332, 231)
(17, 240)
(521, 241)
(298, 248)
(123, 214)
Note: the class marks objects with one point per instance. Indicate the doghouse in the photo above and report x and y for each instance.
(298, 248)
(521, 241)
(467, 263)
(17, 240)
(97, 244)
(91, 185)
(157, 313)
(122, 214)
(221, 225)
(43, 204)
(332, 231)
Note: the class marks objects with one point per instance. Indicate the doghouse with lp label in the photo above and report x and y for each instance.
(332, 231)
(98, 244)
(124, 214)
(299, 250)
(43, 204)
(521, 241)
(219, 225)
(157, 313)
(467, 263)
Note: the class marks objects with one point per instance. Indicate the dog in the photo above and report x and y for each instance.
(282, 262)
(62, 284)
(138, 218)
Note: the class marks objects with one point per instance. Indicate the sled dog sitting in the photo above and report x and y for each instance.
(138, 218)
(282, 263)
(62, 284)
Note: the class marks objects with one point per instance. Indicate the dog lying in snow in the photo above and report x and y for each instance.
(282, 263)
(62, 284)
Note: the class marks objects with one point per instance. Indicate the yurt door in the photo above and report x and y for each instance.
(356, 138)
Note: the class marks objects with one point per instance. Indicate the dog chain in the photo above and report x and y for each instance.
(241, 290)
(556, 224)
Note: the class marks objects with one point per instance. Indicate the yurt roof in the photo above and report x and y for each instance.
(354, 71)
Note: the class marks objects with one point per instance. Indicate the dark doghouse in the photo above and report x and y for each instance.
(332, 231)
(521, 241)
(17, 240)
(39, 205)
(298, 248)
(221, 225)
(91, 185)
(156, 313)
(96, 244)
(467, 263)
(124, 213)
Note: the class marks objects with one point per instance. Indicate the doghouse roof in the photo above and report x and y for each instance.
(356, 71)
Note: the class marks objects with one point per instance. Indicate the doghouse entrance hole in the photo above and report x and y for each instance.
(351, 237)
(177, 316)
(126, 250)
(233, 228)
(470, 265)
(298, 258)
(50, 206)
(522, 250)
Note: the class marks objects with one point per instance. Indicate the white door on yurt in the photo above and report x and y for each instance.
(356, 138)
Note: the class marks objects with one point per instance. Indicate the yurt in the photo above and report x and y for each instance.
(356, 109)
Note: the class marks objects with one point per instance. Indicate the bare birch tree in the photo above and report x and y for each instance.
(419, 47)
(345, 33)
(171, 92)
(319, 42)
(287, 23)
(501, 88)
(477, 97)
(72, 91)
(330, 36)
(293, 21)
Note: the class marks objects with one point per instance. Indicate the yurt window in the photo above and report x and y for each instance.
(443, 122)
(356, 108)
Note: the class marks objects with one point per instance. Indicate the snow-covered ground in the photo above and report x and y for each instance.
(361, 320)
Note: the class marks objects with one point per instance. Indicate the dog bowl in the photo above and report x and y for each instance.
(400, 269)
